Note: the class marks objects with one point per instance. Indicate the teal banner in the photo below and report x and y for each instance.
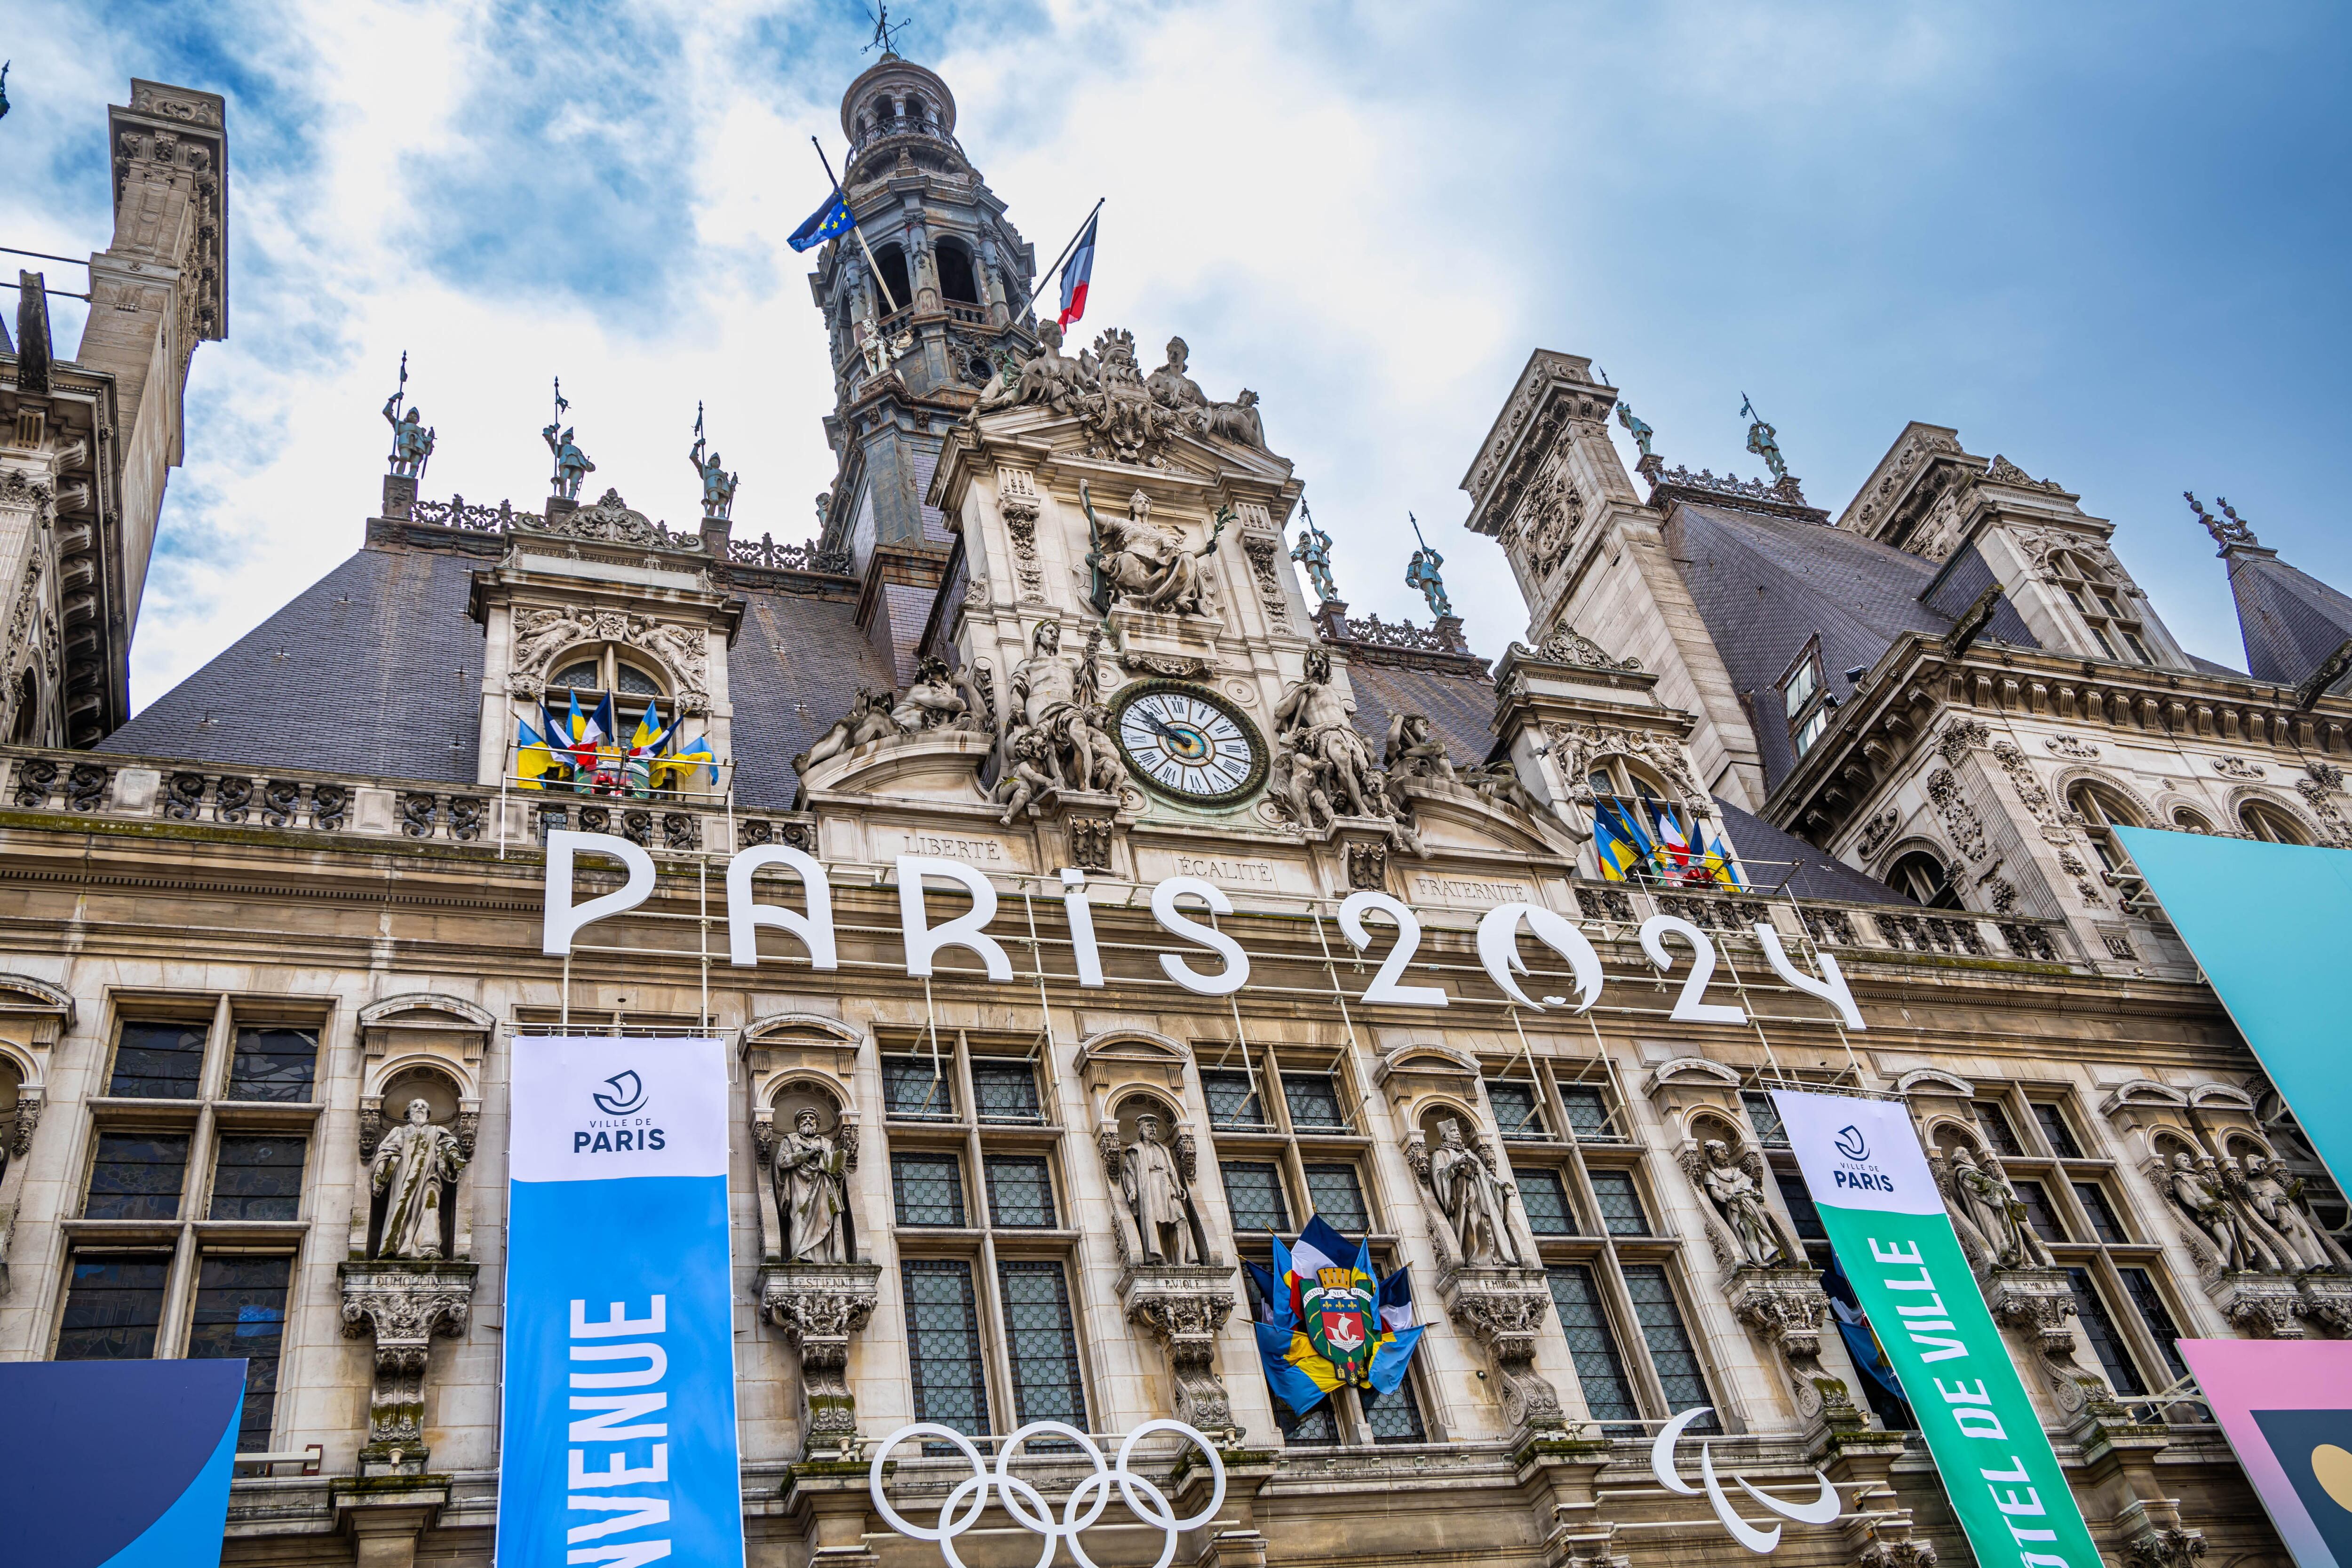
(2268, 924)
(1870, 1180)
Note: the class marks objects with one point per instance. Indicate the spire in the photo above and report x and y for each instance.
(2295, 626)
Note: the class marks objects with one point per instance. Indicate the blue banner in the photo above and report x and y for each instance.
(2268, 923)
(619, 1415)
(118, 1464)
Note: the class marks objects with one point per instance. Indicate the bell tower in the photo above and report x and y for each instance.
(915, 316)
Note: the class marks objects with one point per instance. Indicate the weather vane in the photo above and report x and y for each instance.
(885, 33)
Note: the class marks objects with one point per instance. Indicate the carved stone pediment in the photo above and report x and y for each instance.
(612, 520)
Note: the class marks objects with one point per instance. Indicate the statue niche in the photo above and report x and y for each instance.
(810, 1177)
(1151, 1166)
(813, 1289)
(1470, 1196)
(412, 1171)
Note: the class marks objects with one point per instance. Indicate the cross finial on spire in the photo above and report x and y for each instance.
(2225, 533)
(885, 33)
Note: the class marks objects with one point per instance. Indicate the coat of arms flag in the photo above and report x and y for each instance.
(1326, 1320)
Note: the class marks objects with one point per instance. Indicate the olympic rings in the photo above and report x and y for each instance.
(1027, 1507)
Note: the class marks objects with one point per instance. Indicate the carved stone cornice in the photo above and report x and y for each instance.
(1787, 1307)
(404, 1304)
(1185, 1306)
(1502, 1308)
(2263, 1306)
(2038, 1302)
(818, 1306)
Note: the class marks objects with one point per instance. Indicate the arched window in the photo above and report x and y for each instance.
(1921, 878)
(914, 108)
(592, 675)
(2187, 821)
(1641, 833)
(2102, 811)
(892, 261)
(2106, 610)
(956, 281)
(2269, 823)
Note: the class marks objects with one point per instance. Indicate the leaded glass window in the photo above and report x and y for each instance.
(1803, 1213)
(2099, 1328)
(2105, 1223)
(2038, 1212)
(1233, 1102)
(273, 1064)
(1998, 1133)
(1043, 1344)
(158, 1061)
(1020, 1192)
(1545, 1197)
(1314, 1102)
(2141, 1287)
(1591, 1344)
(1765, 1117)
(1588, 1112)
(1672, 1353)
(1336, 1195)
(1621, 1204)
(928, 1189)
(257, 1176)
(137, 1176)
(240, 1311)
(1394, 1418)
(1518, 1108)
(912, 1092)
(112, 1306)
(1318, 1428)
(1253, 1191)
(943, 1343)
(2055, 1128)
(1006, 1091)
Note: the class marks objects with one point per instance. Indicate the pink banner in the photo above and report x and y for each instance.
(2286, 1408)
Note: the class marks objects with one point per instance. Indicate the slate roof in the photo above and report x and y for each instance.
(1460, 705)
(1817, 875)
(2290, 620)
(376, 668)
(1766, 585)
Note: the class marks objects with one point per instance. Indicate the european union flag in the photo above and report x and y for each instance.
(833, 218)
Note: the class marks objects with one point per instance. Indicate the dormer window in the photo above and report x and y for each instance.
(2107, 612)
(1806, 699)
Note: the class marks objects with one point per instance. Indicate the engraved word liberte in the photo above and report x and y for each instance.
(1497, 939)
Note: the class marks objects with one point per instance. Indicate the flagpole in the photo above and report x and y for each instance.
(856, 229)
(1048, 275)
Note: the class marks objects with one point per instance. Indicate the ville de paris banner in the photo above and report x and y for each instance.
(2268, 924)
(618, 1446)
(1869, 1178)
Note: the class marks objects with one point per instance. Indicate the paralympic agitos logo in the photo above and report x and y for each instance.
(622, 1129)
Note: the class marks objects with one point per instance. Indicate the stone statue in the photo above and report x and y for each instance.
(1173, 390)
(1313, 551)
(1294, 780)
(1635, 426)
(718, 484)
(1984, 1205)
(2200, 1196)
(1145, 564)
(410, 1167)
(1738, 1200)
(1312, 719)
(1473, 1200)
(812, 1193)
(1152, 1188)
(932, 703)
(1422, 575)
(1048, 376)
(412, 440)
(868, 721)
(571, 464)
(1762, 440)
(1413, 753)
(1239, 420)
(1025, 781)
(2280, 1208)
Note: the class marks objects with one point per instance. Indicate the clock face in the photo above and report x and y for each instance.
(1187, 744)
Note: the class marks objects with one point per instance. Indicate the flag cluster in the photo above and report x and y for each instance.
(1325, 1320)
(584, 752)
(1624, 844)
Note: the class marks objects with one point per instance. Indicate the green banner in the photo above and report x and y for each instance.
(1869, 1177)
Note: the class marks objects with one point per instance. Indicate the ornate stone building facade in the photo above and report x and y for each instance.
(272, 949)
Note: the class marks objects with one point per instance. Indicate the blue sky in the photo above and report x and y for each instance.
(2105, 241)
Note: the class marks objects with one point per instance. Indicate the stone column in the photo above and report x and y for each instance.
(818, 1306)
(406, 1303)
(1184, 1306)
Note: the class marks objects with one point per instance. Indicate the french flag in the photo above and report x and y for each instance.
(1075, 274)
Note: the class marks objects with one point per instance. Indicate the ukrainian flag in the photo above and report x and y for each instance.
(686, 765)
(1710, 859)
(651, 738)
(535, 759)
(1619, 841)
